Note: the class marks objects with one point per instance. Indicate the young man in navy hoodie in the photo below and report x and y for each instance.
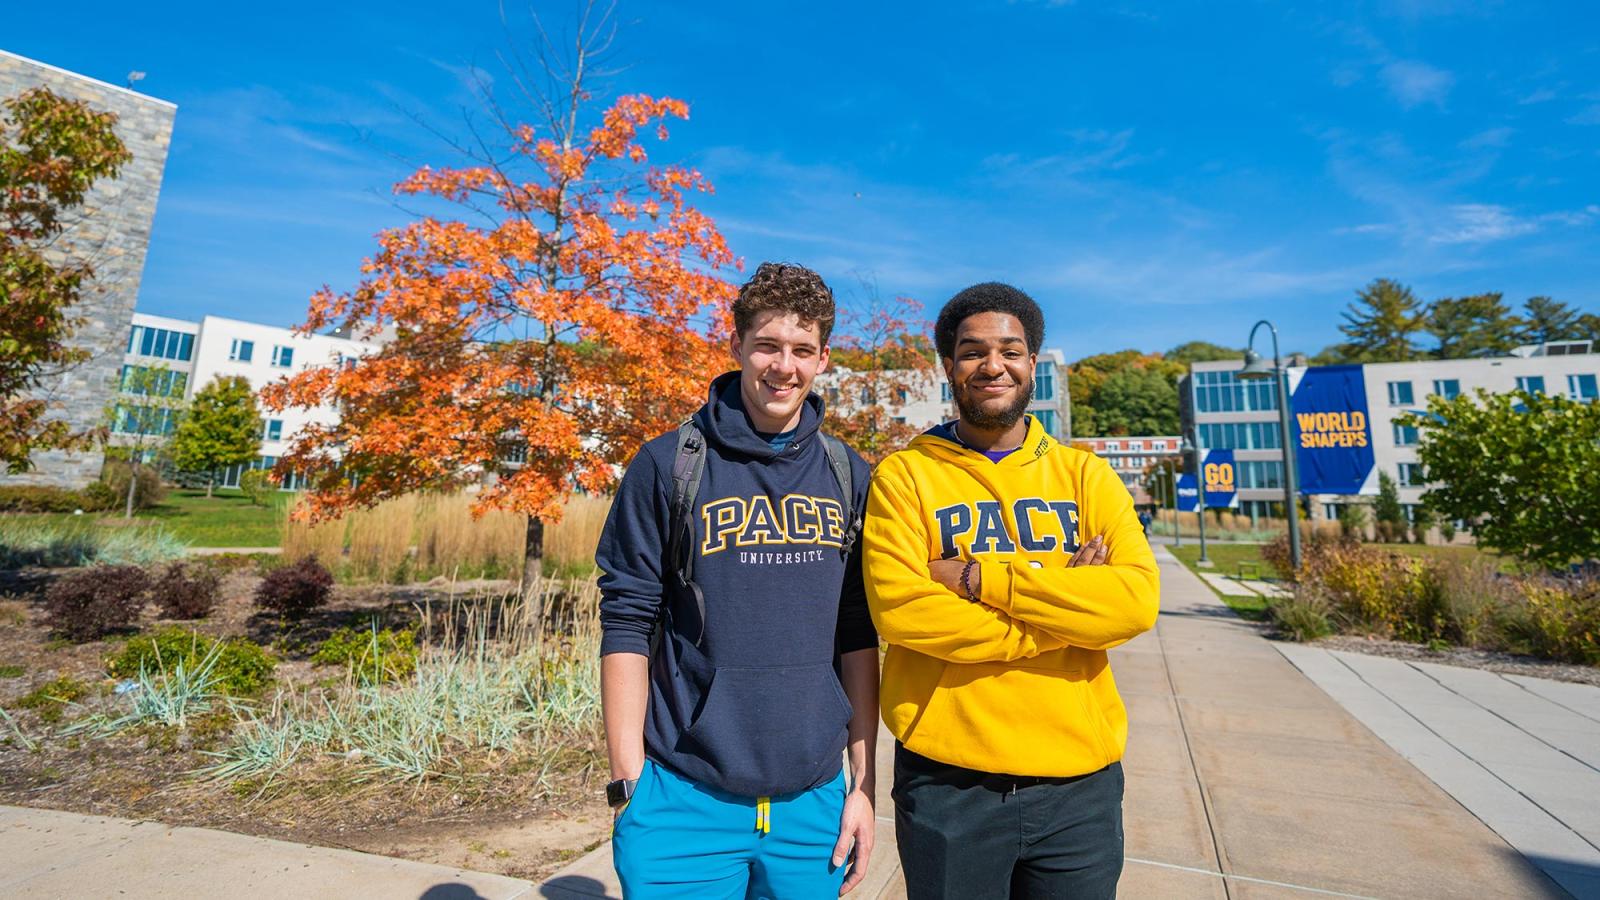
(731, 694)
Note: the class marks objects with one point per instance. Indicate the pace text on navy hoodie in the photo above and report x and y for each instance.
(755, 707)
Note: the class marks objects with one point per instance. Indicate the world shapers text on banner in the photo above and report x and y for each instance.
(1333, 431)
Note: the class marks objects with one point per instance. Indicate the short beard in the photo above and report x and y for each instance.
(975, 416)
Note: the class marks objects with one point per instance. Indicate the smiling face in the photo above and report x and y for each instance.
(991, 374)
(778, 359)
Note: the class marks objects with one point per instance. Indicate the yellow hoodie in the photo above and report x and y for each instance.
(1017, 683)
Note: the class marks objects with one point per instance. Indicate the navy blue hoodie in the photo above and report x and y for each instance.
(755, 707)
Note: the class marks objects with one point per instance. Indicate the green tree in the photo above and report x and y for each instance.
(1479, 325)
(1391, 516)
(1200, 351)
(1137, 401)
(1381, 323)
(223, 427)
(141, 420)
(52, 152)
(1589, 327)
(1088, 376)
(1544, 319)
(1523, 468)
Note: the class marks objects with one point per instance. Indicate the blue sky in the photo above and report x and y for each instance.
(1151, 173)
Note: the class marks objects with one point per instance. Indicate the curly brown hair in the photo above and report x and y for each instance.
(786, 287)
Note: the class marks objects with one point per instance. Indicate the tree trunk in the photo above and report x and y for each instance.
(133, 484)
(533, 570)
(211, 481)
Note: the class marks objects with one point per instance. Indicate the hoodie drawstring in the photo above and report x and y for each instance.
(764, 815)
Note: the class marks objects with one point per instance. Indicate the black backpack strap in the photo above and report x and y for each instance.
(839, 462)
(688, 465)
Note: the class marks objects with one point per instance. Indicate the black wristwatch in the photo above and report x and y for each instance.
(620, 791)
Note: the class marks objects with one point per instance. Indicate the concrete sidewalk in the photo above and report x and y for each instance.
(1523, 754)
(1244, 780)
(47, 854)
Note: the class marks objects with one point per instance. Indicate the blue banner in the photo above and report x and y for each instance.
(1188, 493)
(1333, 433)
(1221, 478)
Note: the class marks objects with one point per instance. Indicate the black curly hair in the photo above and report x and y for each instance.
(991, 296)
(786, 287)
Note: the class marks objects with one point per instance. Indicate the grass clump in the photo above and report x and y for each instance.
(373, 656)
(238, 667)
(49, 701)
(9, 671)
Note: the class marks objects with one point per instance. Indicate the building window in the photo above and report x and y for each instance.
(1114, 446)
(137, 380)
(1405, 435)
(242, 350)
(1241, 435)
(1044, 380)
(1582, 387)
(1222, 392)
(282, 357)
(1411, 475)
(1448, 388)
(1136, 445)
(1267, 473)
(1410, 509)
(1047, 421)
(160, 342)
(1530, 384)
(944, 392)
(272, 430)
(147, 420)
(1400, 393)
(1158, 445)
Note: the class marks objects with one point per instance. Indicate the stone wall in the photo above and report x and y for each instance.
(113, 233)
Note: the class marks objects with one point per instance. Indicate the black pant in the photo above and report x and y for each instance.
(969, 835)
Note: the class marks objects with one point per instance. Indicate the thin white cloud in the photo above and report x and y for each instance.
(1414, 83)
(1480, 223)
(1589, 116)
(1542, 95)
(1493, 138)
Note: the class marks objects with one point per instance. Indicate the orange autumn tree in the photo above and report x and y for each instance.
(532, 345)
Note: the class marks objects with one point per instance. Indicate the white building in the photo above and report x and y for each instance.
(1243, 415)
(199, 352)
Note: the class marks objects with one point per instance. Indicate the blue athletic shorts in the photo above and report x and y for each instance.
(677, 838)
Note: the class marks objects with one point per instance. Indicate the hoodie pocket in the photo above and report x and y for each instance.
(771, 730)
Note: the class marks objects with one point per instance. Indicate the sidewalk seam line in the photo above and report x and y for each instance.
(1577, 712)
(1464, 755)
(1226, 877)
(1183, 729)
(1497, 715)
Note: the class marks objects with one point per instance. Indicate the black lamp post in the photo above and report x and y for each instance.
(1255, 369)
(1192, 447)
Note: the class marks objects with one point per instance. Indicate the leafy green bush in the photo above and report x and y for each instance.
(147, 493)
(241, 668)
(91, 603)
(51, 699)
(294, 590)
(1558, 620)
(1302, 618)
(186, 591)
(374, 656)
(44, 499)
(257, 486)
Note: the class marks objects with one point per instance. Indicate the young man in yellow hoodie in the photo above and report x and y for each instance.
(1000, 566)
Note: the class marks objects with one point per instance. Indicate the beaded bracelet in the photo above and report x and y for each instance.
(966, 580)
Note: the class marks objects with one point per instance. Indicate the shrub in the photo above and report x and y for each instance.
(51, 699)
(239, 668)
(1447, 530)
(294, 590)
(148, 492)
(186, 591)
(256, 485)
(1302, 617)
(1557, 620)
(94, 602)
(374, 656)
(44, 499)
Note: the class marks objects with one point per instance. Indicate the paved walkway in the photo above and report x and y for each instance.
(1245, 780)
(49, 854)
(1523, 754)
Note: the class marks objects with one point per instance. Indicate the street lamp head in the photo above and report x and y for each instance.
(1255, 367)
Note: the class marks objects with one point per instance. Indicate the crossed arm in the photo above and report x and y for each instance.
(1106, 594)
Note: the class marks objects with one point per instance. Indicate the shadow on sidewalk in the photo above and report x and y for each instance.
(453, 890)
(563, 886)
(1581, 880)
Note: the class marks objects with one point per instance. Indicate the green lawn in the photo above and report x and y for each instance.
(224, 520)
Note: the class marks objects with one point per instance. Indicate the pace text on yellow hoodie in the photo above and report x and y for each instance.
(1018, 683)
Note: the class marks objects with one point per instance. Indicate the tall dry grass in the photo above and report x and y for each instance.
(421, 536)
